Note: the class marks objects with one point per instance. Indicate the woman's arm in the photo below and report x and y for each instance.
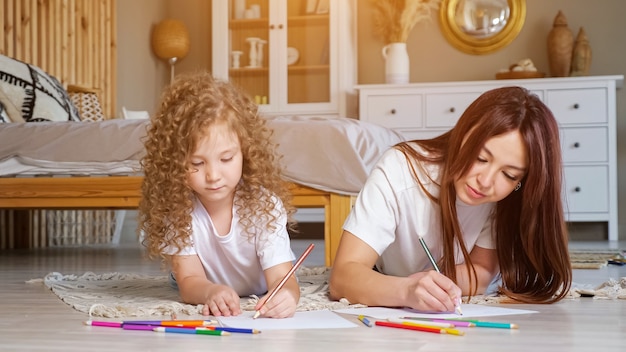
(284, 303)
(195, 288)
(353, 278)
(486, 264)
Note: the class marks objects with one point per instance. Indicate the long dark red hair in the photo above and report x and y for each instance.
(530, 232)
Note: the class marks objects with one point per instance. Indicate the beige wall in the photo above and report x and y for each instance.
(141, 75)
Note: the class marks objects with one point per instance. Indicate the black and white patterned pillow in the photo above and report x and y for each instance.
(32, 93)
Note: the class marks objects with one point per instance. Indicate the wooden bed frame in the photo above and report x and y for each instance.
(75, 41)
(123, 192)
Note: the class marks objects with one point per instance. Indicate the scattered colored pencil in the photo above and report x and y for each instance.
(448, 328)
(456, 323)
(109, 324)
(235, 330)
(284, 280)
(434, 324)
(137, 327)
(490, 324)
(200, 331)
(172, 323)
(409, 327)
(365, 321)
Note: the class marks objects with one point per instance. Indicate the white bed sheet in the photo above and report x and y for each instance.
(330, 154)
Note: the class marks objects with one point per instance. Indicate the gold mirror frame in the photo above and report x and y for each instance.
(479, 46)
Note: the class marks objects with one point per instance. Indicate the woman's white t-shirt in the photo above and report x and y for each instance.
(392, 211)
(235, 259)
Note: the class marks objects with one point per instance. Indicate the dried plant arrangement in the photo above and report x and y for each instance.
(394, 19)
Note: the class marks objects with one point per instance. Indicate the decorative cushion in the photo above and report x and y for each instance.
(36, 95)
(86, 102)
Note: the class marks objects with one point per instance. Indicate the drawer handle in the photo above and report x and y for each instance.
(452, 109)
(576, 145)
(393, 111)
(577, 189)
(576, 106)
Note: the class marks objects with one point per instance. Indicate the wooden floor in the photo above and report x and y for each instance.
(34, 319)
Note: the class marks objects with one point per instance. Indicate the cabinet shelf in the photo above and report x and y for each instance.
(264, 70)
(251, 23)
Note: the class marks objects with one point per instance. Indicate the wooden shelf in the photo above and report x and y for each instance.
(263, 22)
(264, 70)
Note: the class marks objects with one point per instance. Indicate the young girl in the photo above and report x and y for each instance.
(486, 199)
(213, 202)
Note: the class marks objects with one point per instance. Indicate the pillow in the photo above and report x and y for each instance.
(86, 102)
(30, 94)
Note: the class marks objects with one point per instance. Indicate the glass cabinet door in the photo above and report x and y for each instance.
(279, 51)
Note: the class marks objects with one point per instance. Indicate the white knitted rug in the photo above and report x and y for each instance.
(115, 295)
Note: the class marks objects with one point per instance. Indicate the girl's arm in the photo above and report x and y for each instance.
(284, 303)
(195, 288)
(486, 264)
(353, 278)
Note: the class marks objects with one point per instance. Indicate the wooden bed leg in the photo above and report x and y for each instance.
(340, 206)
(21, 229)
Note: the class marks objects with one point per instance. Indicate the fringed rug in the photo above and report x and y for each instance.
(594, 259)
(116, 295)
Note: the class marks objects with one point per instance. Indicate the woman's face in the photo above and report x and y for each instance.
(500, 166)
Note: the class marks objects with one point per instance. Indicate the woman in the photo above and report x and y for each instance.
(485, 197)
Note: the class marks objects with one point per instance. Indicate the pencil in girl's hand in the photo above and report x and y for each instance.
(284, 280)
(457, 304)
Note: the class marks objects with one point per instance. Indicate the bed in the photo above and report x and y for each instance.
(93, 165)
(326, 160)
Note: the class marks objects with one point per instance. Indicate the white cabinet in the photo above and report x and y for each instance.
(583, 106)
(304, 63)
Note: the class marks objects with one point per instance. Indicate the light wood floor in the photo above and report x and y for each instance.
(34, 319)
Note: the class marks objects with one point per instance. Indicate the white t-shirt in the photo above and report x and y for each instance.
(235, 259)
(392, 211)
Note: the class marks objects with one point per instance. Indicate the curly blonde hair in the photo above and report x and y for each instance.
(188, 107)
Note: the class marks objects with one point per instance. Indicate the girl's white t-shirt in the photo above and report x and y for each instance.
(236, 259)
(392, 211)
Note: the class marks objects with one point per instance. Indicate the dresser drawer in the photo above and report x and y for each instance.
(444, 110)
(586, 105)
(586, 189)
(584, 144)
(395, 111)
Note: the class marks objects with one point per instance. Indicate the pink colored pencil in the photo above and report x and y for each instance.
(109, 324)
(456, 323)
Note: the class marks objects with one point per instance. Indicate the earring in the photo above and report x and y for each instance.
(518, 186)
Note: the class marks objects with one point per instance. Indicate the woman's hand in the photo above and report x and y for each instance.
(430, 291)
(221, 301)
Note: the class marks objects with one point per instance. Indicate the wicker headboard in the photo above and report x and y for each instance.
(73, 40)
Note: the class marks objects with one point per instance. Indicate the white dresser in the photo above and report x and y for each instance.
(583, 106)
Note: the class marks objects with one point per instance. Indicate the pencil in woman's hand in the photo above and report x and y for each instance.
(284, 280)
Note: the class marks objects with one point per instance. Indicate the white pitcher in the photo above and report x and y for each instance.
(396, 63)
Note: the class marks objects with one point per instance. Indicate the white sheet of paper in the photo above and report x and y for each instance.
(317, 319)
(469, 311)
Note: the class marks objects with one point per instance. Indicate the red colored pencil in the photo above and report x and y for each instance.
(410, 327)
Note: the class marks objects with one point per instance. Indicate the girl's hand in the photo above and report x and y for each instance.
(221, 301)
(283, 305)
(431, 291)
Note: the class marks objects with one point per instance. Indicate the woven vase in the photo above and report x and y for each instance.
(581, 58)
(560, 47)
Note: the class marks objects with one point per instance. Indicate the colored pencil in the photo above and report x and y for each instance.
(434, 324)
(284, 280)
(457, 305)
(109, 324)
(137, 327)
(448, 328)
(490, 324)
(456, 323)
(172, 323)
(365, 321)
(409, 327)
(200, 331)
(235, 330)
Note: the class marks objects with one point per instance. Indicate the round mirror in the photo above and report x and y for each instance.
(481, 26)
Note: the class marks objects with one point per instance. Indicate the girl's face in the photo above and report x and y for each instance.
(500, 166)
(216, 166)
